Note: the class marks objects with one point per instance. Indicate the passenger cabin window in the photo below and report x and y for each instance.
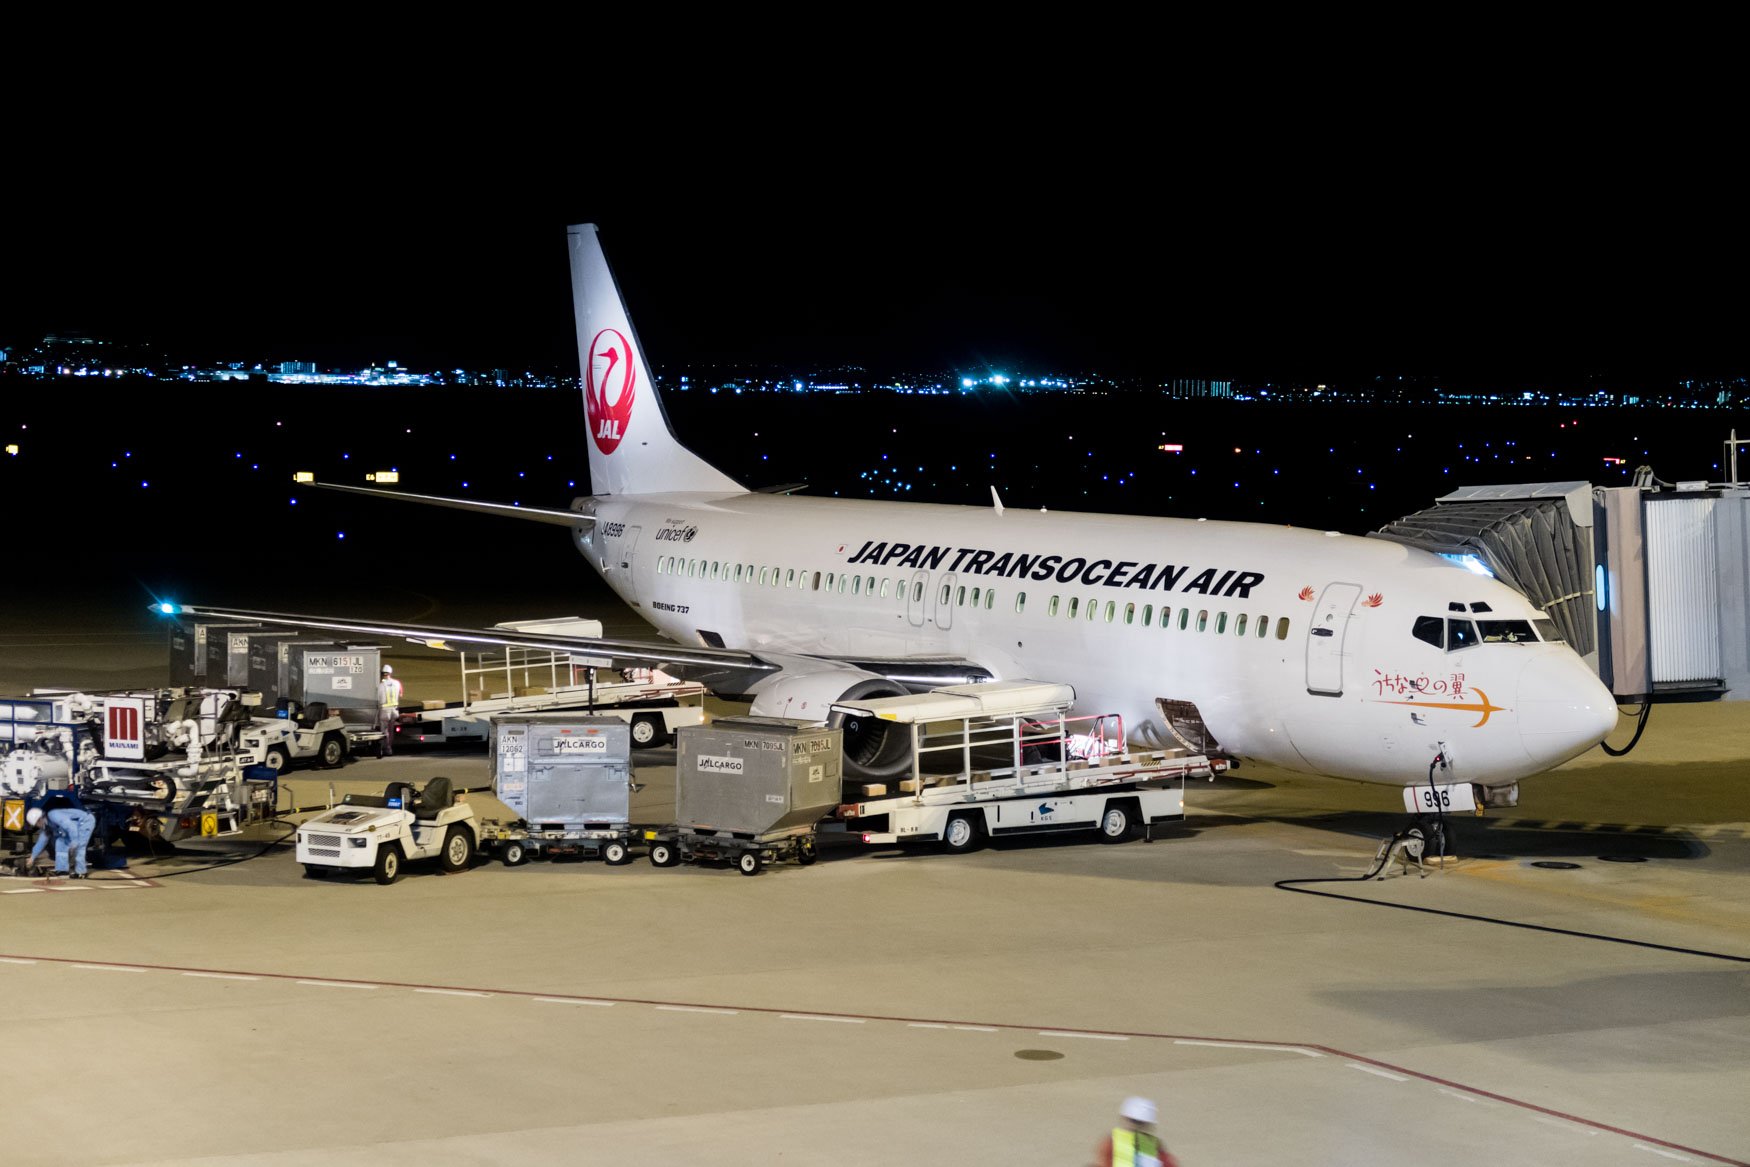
(1506, 631)
(1020, 602)
(1203, 620)
(1111, 610)
(1546, 630)
(763, 573)
(1429, 628)
(870, 587)
(1282, 628)
(1263, 626)
(960, 597)
(884, 582)
(943, 597)
(844, 581)
(1148, 615)
(856, 585)
(990, 598)
(1184, 619)
(790, 578)
(1130, 613)
(1460, 634)
(1093, 607)
(1074, 603)
(1240, 624)
(917, 592)
(1220, 623)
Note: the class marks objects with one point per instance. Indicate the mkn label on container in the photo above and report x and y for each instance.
(714, 764)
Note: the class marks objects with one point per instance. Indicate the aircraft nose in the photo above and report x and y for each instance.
(1564, 710)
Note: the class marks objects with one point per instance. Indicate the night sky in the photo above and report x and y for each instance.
(1246, 268)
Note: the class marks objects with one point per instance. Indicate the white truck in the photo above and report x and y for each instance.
(299, 734)
(379, 833)
(519, 680)
(1005, 759)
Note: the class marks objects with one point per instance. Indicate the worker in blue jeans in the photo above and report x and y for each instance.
(71, 828)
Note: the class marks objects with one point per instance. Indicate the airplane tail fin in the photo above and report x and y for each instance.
(632, 448)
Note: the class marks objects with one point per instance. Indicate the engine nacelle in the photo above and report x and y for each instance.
(872, 749)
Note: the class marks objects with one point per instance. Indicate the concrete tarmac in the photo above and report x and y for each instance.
(911, 1007)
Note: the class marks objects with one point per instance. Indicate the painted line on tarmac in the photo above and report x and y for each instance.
(1666, 1154)
(1564, 1124)
(822, 1017)
(1088, 1036)
(1354, 1060)
(1284, 1049)
(222, 976)
(455, 992)
(1461, 1096)
(571, 1001)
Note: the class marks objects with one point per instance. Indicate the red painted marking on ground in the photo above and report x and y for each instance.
(771, 1010)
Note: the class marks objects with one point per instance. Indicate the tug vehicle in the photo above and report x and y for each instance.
(379, 833)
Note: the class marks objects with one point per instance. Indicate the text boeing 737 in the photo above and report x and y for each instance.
(1314, 651)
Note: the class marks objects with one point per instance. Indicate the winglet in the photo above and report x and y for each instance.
(996, 501)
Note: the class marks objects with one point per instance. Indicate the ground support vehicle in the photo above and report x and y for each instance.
(568, 779)
(521, 680)
(299, 734)
(380, 833)
(172, 799)
(750, 790)
(1006, 759)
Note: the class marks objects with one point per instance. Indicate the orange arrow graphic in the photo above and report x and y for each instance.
(1483, 708)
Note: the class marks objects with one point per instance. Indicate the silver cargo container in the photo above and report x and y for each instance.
(342, 678)
(562, 771)
(756, 776)
(269, 663)
(200, 652)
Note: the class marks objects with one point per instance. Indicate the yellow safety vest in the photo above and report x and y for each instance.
(1128, 1144)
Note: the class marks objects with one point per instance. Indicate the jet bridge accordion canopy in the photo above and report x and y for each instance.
(1535, 538)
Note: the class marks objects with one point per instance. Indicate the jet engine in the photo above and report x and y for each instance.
(873, 751)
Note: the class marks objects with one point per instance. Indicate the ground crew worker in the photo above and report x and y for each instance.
(71, 828)
(388, 710)
(1133, 1140)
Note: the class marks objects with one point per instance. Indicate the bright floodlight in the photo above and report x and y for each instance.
(1470, 563)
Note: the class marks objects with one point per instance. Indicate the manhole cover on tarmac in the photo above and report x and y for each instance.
(1623, 858)
(1555, 865)
(1038, 1055)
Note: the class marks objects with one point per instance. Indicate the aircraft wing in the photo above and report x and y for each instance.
(728, 667)
(504, 510)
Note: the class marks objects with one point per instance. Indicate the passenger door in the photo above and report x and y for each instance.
(1325, 639)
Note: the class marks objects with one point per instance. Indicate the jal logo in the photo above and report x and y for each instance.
(610, 382)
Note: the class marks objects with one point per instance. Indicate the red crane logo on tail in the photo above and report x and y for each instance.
(610, 381)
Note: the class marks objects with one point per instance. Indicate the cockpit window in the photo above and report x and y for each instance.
(1460, 634)
(1432, 629)
(1480, 607)
(1506, 631)
(1546, 630)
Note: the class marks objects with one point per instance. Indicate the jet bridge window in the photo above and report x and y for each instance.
(1460, 634)
(1430, 628)
(1506, 631)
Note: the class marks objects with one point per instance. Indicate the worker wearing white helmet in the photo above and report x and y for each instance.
(1133, 1142)
(70, 826)
(388, 710)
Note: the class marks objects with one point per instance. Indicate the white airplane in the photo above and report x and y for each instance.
(1313, 651)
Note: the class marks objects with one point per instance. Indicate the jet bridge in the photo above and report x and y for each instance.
(1650, 585)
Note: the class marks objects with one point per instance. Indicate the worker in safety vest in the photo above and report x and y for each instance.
(1133, 1142)
(388, 710)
